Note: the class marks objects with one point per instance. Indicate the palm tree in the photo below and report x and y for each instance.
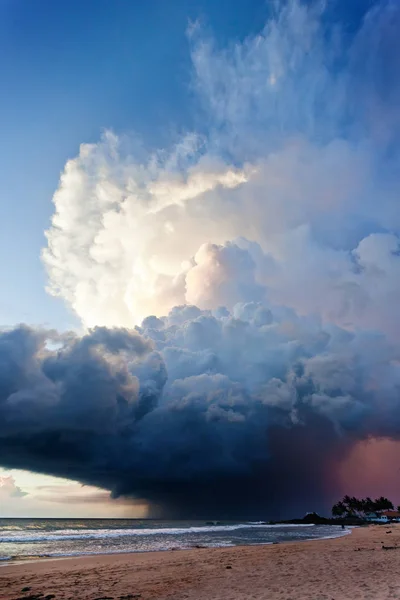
(368, 505)
(383, 503)
(357, 505)
(352, 506)
(348, 504)
(338, 509)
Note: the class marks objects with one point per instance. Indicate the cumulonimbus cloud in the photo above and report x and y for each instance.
(266, 256)
(311, 122)
(199, 412)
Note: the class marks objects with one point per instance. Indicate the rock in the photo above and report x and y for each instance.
(228, 567)
(26, 589)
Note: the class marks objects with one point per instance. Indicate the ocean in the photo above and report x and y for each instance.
(38, 538)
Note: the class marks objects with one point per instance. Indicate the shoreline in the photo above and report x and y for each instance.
(363, 565)
(21, 560)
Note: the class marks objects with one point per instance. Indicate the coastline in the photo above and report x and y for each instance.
(343, 568)
(15, 560)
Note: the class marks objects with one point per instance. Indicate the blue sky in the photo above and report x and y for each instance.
(68, 72)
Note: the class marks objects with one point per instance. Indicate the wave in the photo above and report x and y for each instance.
(17, 559)
(92, 534)
(20, 558)
(339, 534)
(131, 551)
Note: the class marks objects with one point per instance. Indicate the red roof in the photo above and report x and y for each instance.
(391, 514)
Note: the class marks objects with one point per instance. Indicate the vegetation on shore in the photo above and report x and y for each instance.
(348, 511)
(314, 518)
(350, 506)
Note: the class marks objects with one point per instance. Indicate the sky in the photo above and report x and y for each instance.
(238, 153)
(66, 82)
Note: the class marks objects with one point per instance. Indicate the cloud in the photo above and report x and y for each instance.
(9, 489)
(222, 275)
(239, 290)
(117, 232)
(191, 409)
(25, 494)
(74, 493)
(301, 158)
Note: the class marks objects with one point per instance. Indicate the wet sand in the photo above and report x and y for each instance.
(348, 568)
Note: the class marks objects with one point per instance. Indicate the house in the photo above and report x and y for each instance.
(373, 517)
(392, 515)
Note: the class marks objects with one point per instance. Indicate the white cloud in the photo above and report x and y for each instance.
(291, 162)
(25, 494)
(9, 489)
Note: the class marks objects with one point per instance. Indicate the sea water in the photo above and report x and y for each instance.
(34, 538)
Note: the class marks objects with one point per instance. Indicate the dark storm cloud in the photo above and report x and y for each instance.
(200, 414)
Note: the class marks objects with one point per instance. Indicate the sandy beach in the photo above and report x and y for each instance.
(348, 568)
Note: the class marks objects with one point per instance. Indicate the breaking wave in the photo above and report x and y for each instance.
(92, 534)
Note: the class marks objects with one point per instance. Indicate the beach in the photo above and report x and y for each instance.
(348, 568)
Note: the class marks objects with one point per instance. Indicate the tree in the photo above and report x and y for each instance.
(356, 505)
(350, 506)
(383, 503)
(368, 505)
(338, 509)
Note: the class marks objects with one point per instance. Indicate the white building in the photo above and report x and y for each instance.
(376, 518)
